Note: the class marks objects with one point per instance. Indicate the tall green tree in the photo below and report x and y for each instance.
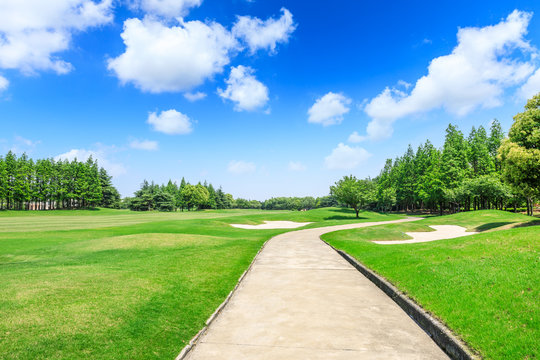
(496, 135)
(353, 192)
(520, 152)
(454, 164)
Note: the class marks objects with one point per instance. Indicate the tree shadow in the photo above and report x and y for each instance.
(506, 225)
(342, 217)
(529, 223)
(344, 214)
(492, 225)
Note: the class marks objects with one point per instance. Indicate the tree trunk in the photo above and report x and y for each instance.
(357, 211)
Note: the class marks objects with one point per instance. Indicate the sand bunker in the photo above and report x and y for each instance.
(272, 225)
(441, 232)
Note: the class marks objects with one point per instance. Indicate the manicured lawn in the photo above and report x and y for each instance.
(485, 287)
(111, 284)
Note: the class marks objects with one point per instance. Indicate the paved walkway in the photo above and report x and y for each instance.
(301, 300)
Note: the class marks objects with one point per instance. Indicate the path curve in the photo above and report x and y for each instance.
(301, 300)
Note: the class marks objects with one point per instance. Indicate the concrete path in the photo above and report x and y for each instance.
(442, 232)
(301, 300)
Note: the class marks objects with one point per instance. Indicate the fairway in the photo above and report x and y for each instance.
(484, 286)
(114, 285)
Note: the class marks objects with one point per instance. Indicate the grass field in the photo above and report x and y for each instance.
(485, 287)
(113, 284)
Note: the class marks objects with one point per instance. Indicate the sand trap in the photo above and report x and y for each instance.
(441, 232)
(272, 225)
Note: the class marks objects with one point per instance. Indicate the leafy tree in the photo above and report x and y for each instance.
(110, 195)
(352, 192)
(164, 201)
(520, 152)
(479, 155)
(454, 165)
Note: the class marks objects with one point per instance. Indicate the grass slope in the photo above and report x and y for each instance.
(120, 285)
(485, 287)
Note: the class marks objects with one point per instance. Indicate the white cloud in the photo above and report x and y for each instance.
(344, 157)
(329, 109)
(244, 89)
(296, 166)
(195, 96)
(33, 32)
(148, 145)
(259, 34)
(170, 122)
(113, 168)
(485, 62)
(355, 137)
(178, 58)
(166, 8)
(531, 87)
(241, 167)
(4, 83)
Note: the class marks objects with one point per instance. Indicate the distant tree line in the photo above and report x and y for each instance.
(298, 203)
(480, 171)
(172, 197)
(43, 184)
(185, 196)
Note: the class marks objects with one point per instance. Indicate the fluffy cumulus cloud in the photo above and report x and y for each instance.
(531, 87)
(241, 167)
(329, 109)
(264, 34)
(166, 8)
(345, 157)
(34, 32)
(159, 58)
(296, 166)
(244, 89)
(101, 155)
(148, 145)
(170, 122)
(485, 62)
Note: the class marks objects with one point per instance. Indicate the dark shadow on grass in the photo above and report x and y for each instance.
(343, 211)
(342, 217)
(492, 225)
(525, 224)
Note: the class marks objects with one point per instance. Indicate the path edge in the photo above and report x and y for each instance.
(185, 351)
(440, 334)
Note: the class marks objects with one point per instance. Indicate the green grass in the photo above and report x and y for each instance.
(485, 287)
(106, 284)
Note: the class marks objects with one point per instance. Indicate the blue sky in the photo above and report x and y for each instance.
(263, 98)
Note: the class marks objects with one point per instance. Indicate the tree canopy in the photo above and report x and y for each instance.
(520, 152)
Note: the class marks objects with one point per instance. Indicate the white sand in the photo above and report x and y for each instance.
(441, 232)
(272, 225)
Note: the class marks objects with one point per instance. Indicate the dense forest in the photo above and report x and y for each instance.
(43, 184)
(481, 171)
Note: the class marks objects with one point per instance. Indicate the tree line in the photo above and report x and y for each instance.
(481, 171)
(43, 184)
(185, 196)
